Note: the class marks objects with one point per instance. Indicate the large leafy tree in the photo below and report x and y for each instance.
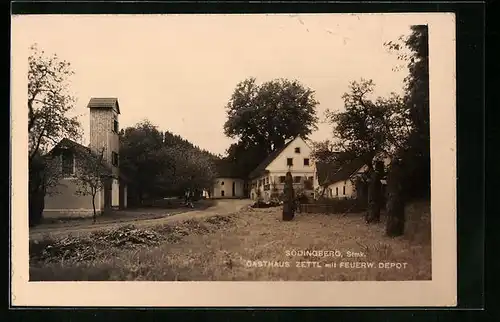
(410, 174)
(370, 129)
(245, 156)
(262, 117)
(192, 170)
(49, 103)
(161, 164)
(413, 51)
(143, 159)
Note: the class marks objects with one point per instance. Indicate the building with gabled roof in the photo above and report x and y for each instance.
(339, 179)
(228, 183)
(104, 136)
(294, 156)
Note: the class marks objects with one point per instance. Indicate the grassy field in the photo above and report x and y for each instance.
(251, 244)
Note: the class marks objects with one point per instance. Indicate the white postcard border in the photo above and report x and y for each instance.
(441, 291)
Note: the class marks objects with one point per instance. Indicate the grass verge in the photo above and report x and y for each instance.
(253, 244)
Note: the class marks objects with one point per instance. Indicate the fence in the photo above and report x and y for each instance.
(334, 206)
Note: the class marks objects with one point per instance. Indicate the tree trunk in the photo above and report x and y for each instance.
(93, 207)
(36, 193)
(36, 202)
(289, 198)
(374, 198)
(395, 203)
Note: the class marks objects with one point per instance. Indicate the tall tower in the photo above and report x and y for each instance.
(104, 128)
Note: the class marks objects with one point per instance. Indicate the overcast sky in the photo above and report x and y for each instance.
(179, 71)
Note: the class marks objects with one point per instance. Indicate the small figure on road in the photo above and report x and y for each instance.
(188, 199)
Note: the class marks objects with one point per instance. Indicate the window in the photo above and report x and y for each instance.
(222, 193)
(308, 183)
(297, 150)
(337, 191)
(267, 180)
(68, 163)
(306, 161)
(222, 183)
(114, 159)
(282, 179)
(115, 126)
(296, 179)
(343, 190)
(289, 162)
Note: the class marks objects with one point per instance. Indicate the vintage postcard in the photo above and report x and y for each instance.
(233, 160)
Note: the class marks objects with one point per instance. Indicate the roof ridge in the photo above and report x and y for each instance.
(270, 158)
(104, 102)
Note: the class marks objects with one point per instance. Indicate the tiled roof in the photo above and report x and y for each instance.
(324, 170)
(346, 171)
(82, 150)
(104, 102)
(267, 161)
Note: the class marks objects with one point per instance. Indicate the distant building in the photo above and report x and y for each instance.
(338, 180)
(227, 184)
(294, 156)
(104, 128)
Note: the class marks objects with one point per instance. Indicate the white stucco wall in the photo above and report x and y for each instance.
(66, 202)
(350, 189)
(226, 185)
(345, 189)
(279, 165)
(278, 168)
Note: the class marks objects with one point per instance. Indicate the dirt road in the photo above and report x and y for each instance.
(222, 207)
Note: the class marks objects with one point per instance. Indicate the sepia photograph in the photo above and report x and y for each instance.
(235, 148)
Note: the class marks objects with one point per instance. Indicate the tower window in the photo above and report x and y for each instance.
(114, 160)
(68, 163)
(115, 126)
(306, 161)
(289, 162)
(222, 183)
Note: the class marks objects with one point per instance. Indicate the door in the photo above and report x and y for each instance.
(234, 189)
(107, 195)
